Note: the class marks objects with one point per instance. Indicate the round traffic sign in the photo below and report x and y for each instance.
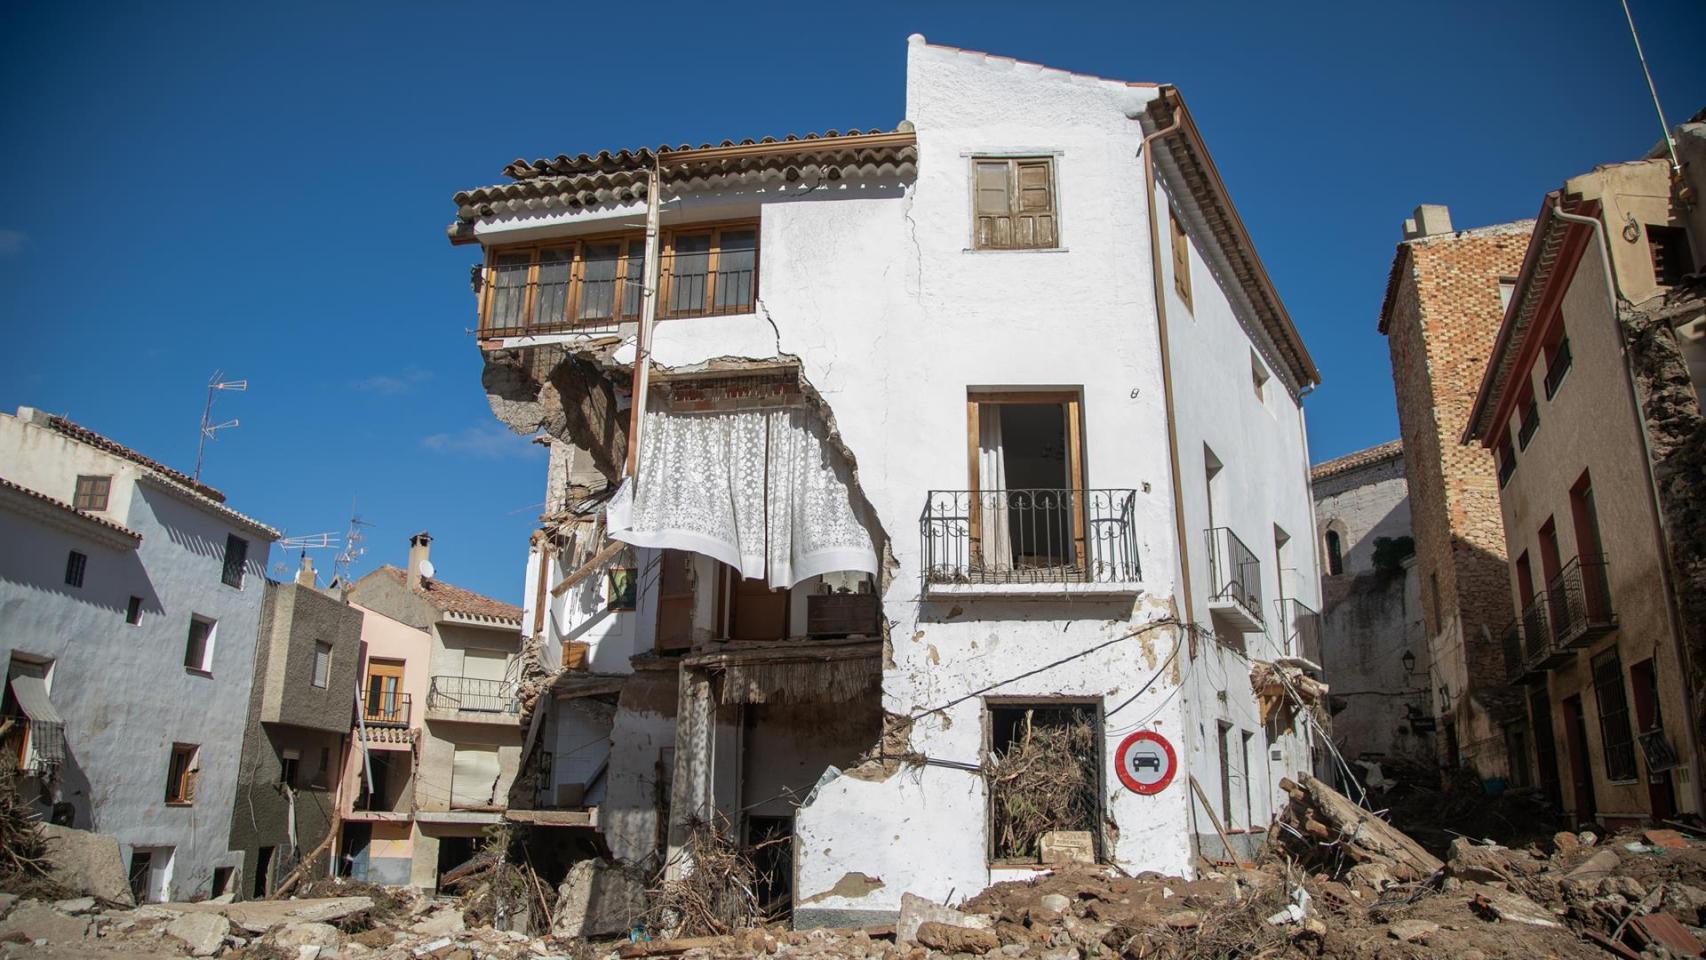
(1146, 762)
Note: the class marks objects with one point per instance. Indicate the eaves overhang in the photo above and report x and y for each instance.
(1202, 178)
(186, 494)
(42, 508)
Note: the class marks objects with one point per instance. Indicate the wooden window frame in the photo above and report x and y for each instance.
(92, 493)
(315, 679)
(1073, 401)
(181, 780)
(1013, 162)
(571, 320)
(204, 666)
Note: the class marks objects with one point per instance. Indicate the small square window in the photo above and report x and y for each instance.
(322, 664)
(236, 554)
(1013, 206)
(622, 584)
(288, 762)
(133, 611)
(92, 492)
(75, 564)
(1259, 377)
(198, 650)
(181, 774)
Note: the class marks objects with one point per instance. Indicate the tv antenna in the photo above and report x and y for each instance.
(313, 541)
(208, 427)
(353, 548)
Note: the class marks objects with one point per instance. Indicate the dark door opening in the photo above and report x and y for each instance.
(1545, 745)
(1045, 776)
(1581, 772)
(770, 841)
(263, 866)
(453, 852)
(141, 864)
(358, 836)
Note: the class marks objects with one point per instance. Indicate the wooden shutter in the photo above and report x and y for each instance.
(994, 205)
(1181, 260)
(1034, 187)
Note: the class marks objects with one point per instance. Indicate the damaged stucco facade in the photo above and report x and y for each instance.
(878, 316)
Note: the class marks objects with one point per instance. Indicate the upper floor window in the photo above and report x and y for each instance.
(1181, 259)
(1671, 258)
(236, 555)
(594, 282)
(1506, 458)
(1557, 364)
(322, 664)
(1013, 203)
(75, 564)
(1530, 419)
(1259, 377)
(1335, 554)
(198, 647)
(1507, 289)
(181, 774)
(92, 493)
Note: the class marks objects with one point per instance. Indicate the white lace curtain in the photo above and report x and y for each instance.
(760, 490)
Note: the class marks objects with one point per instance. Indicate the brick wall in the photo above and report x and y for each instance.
(1440, 320)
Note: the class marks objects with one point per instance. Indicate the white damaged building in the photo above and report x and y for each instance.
(924, 506)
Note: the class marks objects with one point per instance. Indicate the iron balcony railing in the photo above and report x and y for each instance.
(1302, 627)
(1234, 573)
(1580, 599)
(1530, 423)
(1511, 643)
(1029, 536)
(565, 296)
(387, 710)
(472, 695)
(1540, 651)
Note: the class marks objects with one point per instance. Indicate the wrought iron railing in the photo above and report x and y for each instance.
(597, 293)
(1511, 643)
(1029, 536)
(386, 710)
(1302, 627)
(1580, 597)
(1540, 651)
(1234, 573)
(472, 695)
(1530, 422)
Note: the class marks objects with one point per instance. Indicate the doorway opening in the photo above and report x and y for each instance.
(1027, 484)
(1044, 769)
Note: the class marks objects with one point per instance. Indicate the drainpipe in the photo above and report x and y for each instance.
(1188, 620)
(1611, 298)
(648, 317)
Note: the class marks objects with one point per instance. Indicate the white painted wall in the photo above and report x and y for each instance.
(872, 286)
(123, 690)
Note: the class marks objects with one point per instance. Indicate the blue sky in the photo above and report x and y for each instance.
(263, 188)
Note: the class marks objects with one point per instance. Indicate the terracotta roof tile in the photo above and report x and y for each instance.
(450, 598)
(68, 508)
(1351, 461)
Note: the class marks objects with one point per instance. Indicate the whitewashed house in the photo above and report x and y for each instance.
(130, 596)
(985, 427)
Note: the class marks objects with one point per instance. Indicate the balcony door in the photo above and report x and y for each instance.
(384, 691)
(1026, 464)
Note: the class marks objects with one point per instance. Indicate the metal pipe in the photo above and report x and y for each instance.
(1663, 541)
(1188, 617)
(648, 317)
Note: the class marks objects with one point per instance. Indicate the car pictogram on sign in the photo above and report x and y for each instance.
(1145, 762)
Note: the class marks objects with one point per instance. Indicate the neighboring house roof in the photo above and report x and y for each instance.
(22, 499)
(159, 475)
(450, 599)
(1380, 453)
(1202, 179)
(566, 182)
(83, 434)
(1401, 258)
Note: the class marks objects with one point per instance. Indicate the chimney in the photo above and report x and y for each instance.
(419, 546)
(1430, 219)
(305, 571)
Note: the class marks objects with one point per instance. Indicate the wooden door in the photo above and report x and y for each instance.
(755, 612)
(384, 691)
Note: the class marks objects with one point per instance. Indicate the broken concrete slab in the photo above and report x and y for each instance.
(259, 916)
(1411, 930)
(87, 863)
(295, 936)
(33, 920)
(75, 905)
(915, 910)
(440, 922)
(1596, 867)
(597, 899)
(202, 933)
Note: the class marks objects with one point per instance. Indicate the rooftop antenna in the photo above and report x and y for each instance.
(208, 428)
(353, 549)
(1664, 126)
(313, 541)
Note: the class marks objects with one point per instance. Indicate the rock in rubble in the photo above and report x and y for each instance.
(952, 939)
(1054, 902)
(598, 899)
(1411, 930)
(34, 920)
(202, 933)
(87, 863)
(440, 922)
(1471, 862)
(915, 910)
(294, 936)
(75, 905)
